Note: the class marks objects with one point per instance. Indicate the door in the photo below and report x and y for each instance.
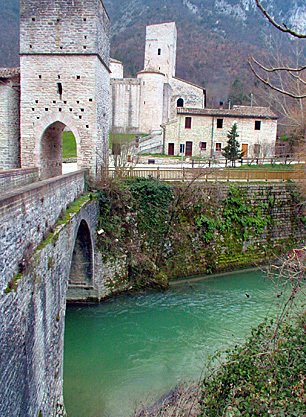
(171, 149)
(244, 150)
(188, 149)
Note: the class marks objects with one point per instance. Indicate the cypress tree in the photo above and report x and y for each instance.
(231, 151)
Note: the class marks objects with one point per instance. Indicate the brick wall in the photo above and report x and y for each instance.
(17, 178)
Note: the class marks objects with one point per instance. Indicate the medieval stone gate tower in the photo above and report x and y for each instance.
(64, 46)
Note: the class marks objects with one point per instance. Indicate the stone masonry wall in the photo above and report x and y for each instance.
(192, 95)
(27, 216)
(17, 178)
(160, 50)
(64, 27)
(64, 48)
(9, 124)
(32, 321)
(126, 102)
(81, 107)
(204, 129)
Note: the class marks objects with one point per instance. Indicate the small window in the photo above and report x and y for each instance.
(187, 122)
(219, 123)
(203, 146)
(159, 51)
(218, 147)
(78, 77)
(182, 148)
(257, 124)
(60, 89)
(180, 103)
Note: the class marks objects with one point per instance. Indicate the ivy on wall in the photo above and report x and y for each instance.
(164, 231)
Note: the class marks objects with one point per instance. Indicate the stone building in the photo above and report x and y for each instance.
(64, 84)
(9, 118)
(203, 132)
(64, 59)
(144, 103)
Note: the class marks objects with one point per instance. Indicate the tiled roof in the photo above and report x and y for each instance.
(9, 72)
(240, 111)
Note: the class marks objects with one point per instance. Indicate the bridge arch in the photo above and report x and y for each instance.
(81, 271)
(49, 144)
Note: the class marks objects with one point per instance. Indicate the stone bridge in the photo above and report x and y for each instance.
(48, 253)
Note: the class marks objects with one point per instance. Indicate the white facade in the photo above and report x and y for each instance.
(203, 133)
(143, 105)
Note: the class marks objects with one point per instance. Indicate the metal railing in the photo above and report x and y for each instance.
(209, 174)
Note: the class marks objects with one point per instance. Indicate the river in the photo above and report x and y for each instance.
(133, 349)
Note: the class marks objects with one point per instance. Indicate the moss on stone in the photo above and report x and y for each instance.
(13, 284)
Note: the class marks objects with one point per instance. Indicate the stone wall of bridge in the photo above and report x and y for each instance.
(28, 215)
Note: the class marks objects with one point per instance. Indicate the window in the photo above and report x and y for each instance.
(203, 146)
(60, 89)
(159, 51)
(182, 148)
(180, 103)
(257, 124)
(187, 122)
(218, 147)
(219, 123)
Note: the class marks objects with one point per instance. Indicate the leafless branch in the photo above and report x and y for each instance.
(269, 84)
(282, 27)
(274, 69)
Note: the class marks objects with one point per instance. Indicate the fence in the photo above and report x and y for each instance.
(209, 174)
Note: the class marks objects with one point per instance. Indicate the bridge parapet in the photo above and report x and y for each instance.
(28, 215)
(15, 178)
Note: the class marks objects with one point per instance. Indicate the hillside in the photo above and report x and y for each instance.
(215, 37)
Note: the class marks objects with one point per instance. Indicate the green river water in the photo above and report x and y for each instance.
(134, 349)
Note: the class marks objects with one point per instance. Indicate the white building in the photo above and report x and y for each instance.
(203, 132)
(144, 103)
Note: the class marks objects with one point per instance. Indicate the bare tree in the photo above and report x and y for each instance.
(269, 74)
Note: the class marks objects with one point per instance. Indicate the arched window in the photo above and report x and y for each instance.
(180, 103)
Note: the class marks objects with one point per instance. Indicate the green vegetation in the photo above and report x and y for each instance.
(13, 284)
(231, 150)
(69, 145)
(65, 217)
(163, 232)
(273, 167)
(122, 138)
(263, 377)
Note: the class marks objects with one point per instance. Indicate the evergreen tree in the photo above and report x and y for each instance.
(231, 151)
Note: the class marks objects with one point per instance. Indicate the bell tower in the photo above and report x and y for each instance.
(65, 82)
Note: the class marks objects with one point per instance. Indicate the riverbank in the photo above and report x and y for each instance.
(150, 233)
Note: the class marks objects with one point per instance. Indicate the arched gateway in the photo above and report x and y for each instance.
(64, 64)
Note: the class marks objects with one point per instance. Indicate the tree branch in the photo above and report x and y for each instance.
(273, 87)
(272, 69)
(283, 27)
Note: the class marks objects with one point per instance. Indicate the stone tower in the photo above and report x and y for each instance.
(64, 48)
(160, 51)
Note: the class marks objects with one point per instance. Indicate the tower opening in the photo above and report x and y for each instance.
(180, 103)
(57, 145)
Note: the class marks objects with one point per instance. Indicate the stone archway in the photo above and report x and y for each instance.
(82, 265)
(49, 146)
